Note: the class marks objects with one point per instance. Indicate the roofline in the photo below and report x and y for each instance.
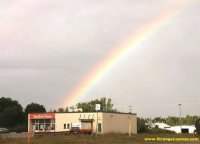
(85, 112)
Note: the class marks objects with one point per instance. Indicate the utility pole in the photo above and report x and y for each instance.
(97, 123)
(98, 107)
(180, 117)
(129, 119)
(130, 109)
(106, 104)
(129, 127)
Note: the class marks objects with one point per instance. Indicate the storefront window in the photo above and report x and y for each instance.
(36, 126)
(47, 127)
(41, 120)
(47, 120)
(43, 124)
(52, 126)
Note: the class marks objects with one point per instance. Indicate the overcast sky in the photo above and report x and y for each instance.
(48, 46)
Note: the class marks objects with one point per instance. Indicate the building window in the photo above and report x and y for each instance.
(99, 127)
(52, 126)
(64, 126)
(41, 127)
(68, 126)
(36, 126)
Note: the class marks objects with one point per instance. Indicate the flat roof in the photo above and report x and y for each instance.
(88, 112)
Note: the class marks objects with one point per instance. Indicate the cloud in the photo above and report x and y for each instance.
(47, 47)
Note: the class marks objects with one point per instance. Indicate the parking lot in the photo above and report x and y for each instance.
(14, 135)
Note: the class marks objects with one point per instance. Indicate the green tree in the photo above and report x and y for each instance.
(141, 127)
(158, 119)
(189, 120)
(172, 121)
(11, 113)
(61, 110)
(106, 105)
(72, 108)
(34, 108)
(66, 109)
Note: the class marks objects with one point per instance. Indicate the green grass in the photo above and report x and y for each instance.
(92, 139)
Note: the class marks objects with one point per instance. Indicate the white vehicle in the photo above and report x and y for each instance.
(176, 129)
(4, 130)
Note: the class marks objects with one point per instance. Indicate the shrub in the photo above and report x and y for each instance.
(19, 129)
(159, 131)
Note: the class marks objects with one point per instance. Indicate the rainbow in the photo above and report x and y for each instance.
(119, 53)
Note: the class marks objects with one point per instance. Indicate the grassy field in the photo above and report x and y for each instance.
(105, 139)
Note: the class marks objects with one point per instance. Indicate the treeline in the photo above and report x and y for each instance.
(106, 106)
(15, 118)
(143, 124)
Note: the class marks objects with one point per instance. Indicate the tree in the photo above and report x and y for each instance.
(189, 120)
(34, 108)
(106, 105)
(66, 109)
(61, 110)
(11, 113)
(141, 127)
(158, 119)
(172, 121)
(52, 111)
(72, 108)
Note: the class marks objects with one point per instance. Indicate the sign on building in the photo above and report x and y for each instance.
(42, 116)
(98, 107)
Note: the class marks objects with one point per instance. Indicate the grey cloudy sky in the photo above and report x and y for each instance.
(47, 47)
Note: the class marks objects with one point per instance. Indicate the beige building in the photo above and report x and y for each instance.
(101, 122)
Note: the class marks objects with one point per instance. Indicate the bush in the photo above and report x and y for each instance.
(159, 131)
(141, 127)
(19, 129)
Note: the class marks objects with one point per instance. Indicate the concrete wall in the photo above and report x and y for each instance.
(68, 118)
(119, 123)
(110, 122)
(30, 125)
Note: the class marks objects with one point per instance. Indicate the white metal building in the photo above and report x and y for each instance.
(176, 129)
